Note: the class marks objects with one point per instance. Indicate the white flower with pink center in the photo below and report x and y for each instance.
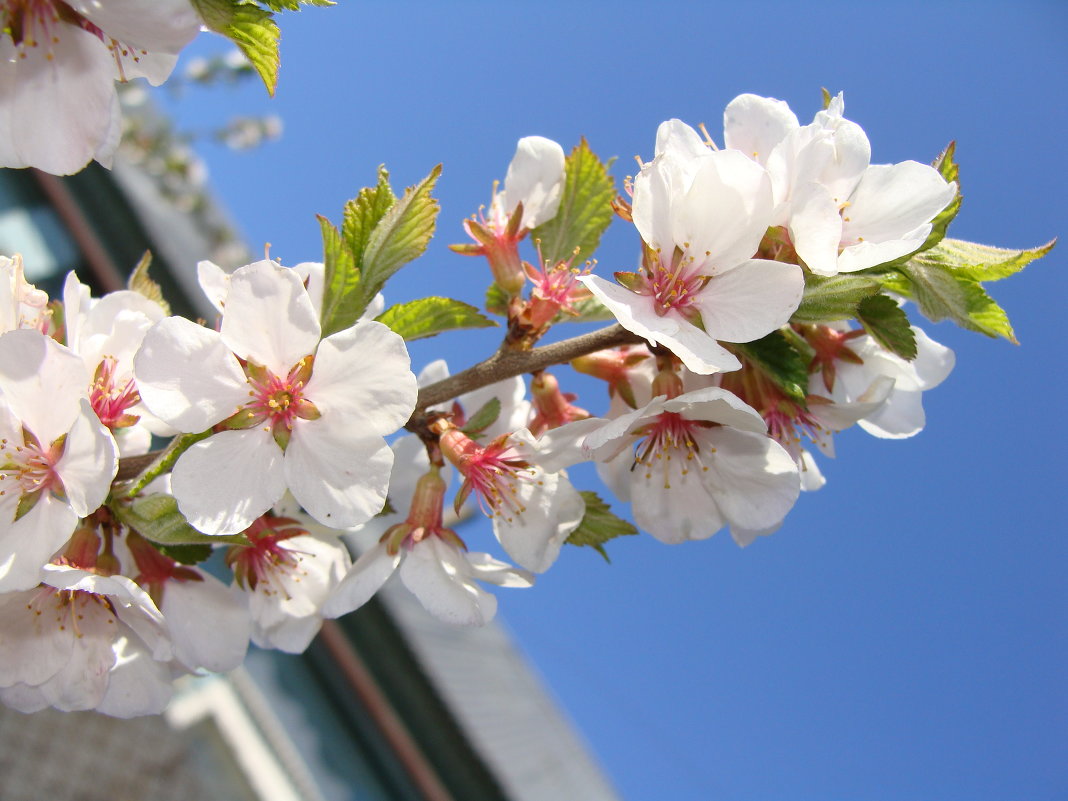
(702, 217)
(433, 563)
(56, 459)
(692, 464)
(59, 60)
(533, 510)
(84, 641)
(286, 573)
(299, 413)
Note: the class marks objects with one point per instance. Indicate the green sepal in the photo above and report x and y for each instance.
(428, 317)
(833, 298)
(186, 554)
(251, 28)
(886, 322)
(156, 517)
(779, 361)
(140, 283)
(585, 209)
(950, 170)
(482, 419)
(599, 525)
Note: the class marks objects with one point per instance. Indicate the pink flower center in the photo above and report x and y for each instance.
(111, 397)
(673, 285)
(31, 467)
(276, 400)
(64, 610)
(493, 473)
(266, 564)
(668, 438)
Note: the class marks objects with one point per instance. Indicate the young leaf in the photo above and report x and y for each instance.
(140, 283)
(775, 358)
(833, 298)
(585, 209)
(496, 300)
(341, 282)
(251, 28)
(599, 525)
(483, 418)
(587, 310)
(186, 554)
(888, 324)
(365, 212)
(400, 236)
(982, 262)
(427, 317)
(294, 5)
(156, 518)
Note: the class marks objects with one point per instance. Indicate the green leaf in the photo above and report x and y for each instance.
(587, 310)
(941, 294)
(983, 262)
(251, 28)
(585, 209)
(775, 358)
(400, 236)
(833, 298)
(363, 213)
(156, 518)
(427, 317)
(483, 418)
(341, 282)
(599, 525)
(140, 283)
(949, 170)
(294, 5)
(186, 554)
(888, 324)
(496, 300)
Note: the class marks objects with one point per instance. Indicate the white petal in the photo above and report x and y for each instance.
(436, 573)
(89, 462)
(364, 579)
(42, 382)
(363, 373)
(137, 684)
(535, 178)
(269, 318)
(551, 510)
(672, 505)
(485, 568)
(159, 25)
(226, 481)
(208, 623)
(816, 228)
(751, 301)
(753, 479)
(28, 543)
(187, 376)
(754, 125)
(680, 140)
(718, 406)
(894, 199)
(338, 475)
(214, 282)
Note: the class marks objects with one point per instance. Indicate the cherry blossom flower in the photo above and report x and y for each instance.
(287, 573)
(843, 213)
(702, 218)
(56, 458)
(692, 464)
(433, 563)
(300, 414)
(530, 197)
(84, 641)
(59, 60)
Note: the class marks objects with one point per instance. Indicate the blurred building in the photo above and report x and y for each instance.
(386, 704)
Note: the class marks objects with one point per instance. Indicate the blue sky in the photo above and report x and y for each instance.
(904, 635)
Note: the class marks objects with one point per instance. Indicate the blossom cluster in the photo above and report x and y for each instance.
(766, 314)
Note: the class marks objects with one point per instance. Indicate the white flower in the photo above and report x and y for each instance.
(56, 459)
(304, 415)
(702, 217)
(83, 641)
(843, 214)
(58, 65)
(22, 305)
(287, 574)
(535, 178)
(695, 463)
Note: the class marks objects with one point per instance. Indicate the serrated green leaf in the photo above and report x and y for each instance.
(888, 324)
(401, 235)
(341, 282)
(363, 213)
(251, 28)
(949, 170)
(585, 209)
(833, 298)
(941, 293)
(140, 283)
(294, 5)
(779, 361)
(427, 317)
(599, 525)
(982, 262)
(483, 418)
(186, 554)
(156, 518)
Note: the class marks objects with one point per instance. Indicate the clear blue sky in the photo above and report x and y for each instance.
(904, 635)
